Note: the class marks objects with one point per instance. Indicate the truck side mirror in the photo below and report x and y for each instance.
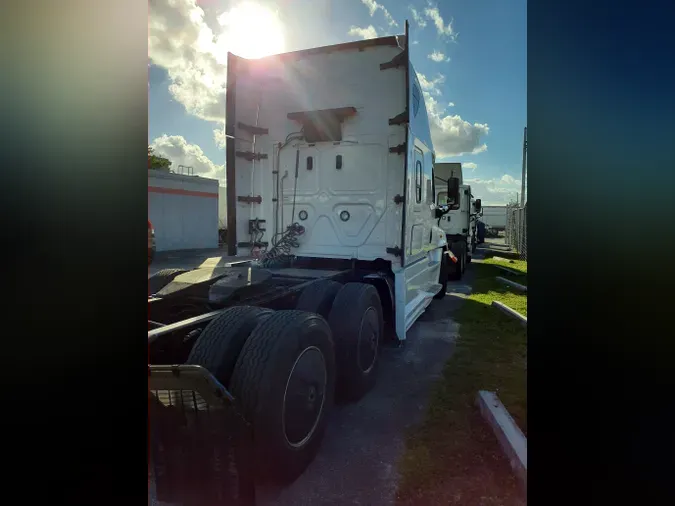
(477, 205)
(453, 193)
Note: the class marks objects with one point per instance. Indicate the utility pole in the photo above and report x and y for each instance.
(522, 181)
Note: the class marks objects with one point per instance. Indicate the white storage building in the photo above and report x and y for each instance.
(183, 211)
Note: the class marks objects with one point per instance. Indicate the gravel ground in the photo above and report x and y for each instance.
(357, 463)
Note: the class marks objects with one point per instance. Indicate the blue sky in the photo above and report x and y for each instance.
(470, 56)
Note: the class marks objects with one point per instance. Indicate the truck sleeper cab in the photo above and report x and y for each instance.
(333, 246)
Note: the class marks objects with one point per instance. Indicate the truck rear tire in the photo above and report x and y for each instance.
(318, 297)
(285, 379)
(162, 278)
(357, 325)
(218, 346)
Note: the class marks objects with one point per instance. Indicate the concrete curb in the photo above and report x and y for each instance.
(510, 271)
(511, 312)
(512, 284)
(511, 438)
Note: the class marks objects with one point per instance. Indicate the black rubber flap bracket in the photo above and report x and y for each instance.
(249, 200)
(399, 150)
(400, 119)
(250, 156)
(254, 130)
(397, 61)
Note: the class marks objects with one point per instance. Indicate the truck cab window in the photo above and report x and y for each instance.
(418, 181)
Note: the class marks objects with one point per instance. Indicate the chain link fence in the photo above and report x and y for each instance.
(516, 229)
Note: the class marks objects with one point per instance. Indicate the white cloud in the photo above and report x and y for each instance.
(219, 136)
(497, 191)
(469, 165)
(181, 152)
(418, 17)
(452, 135)
(451, 104)
(431, 86)
(438, 57)
(444, 30)
(373, 7)
(415, 42)
(368, 32)
(194, 52)
(181, 42)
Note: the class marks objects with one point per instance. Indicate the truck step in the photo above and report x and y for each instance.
(431, 289)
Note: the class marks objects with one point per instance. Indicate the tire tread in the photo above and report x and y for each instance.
(219, 345)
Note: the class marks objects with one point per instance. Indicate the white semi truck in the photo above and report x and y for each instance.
(333, 248)
(459, 224)
(494, 217)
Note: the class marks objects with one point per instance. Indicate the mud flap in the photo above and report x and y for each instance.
(200, 446)
(452, 256)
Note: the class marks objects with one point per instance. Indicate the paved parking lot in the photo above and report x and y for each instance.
(357, 463)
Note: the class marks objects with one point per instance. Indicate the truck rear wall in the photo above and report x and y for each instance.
(357, 174)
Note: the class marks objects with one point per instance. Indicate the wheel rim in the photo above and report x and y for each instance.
(304, 396)
(369, 337)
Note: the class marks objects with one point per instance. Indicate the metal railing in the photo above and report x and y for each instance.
(516, 229)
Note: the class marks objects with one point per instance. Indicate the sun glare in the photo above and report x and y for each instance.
(252, 31)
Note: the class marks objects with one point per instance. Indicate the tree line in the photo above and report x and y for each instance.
(157, 162)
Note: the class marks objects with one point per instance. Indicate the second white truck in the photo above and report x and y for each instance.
(459, 224)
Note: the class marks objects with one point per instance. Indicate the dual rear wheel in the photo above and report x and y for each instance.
(285, 367)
